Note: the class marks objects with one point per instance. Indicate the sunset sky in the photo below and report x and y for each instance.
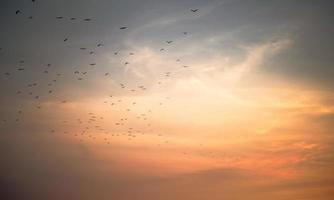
(166, 99)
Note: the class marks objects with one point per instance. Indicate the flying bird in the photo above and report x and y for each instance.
(17, 12)
(124, 27)
(194, 10)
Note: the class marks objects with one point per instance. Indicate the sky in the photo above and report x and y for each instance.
(159, 100)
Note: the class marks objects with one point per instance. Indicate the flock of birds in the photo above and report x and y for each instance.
(93, 123)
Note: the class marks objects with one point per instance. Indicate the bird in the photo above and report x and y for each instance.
(123, 27)
(87, 19)
(17, 12)
(169, 41)
(65, 39)
(59, 17)
(73, 18)
(99, 45)
(194, 10)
